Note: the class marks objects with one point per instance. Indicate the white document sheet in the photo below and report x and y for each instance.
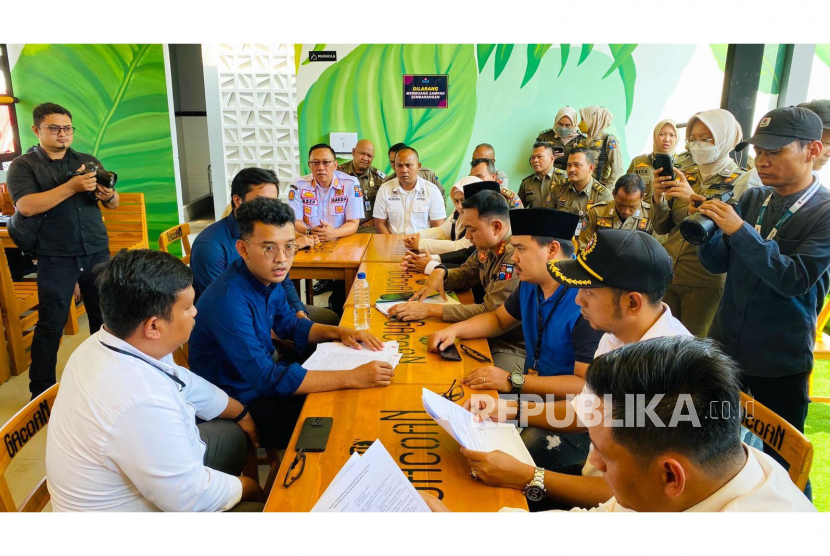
(485, 436)
(371, 483)
(334, 356)
(384, 306)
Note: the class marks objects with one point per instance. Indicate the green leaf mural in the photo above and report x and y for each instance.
(535, 52)
(565, 52)
(298, 55)
(823, 53)
(624, 63)
(483, 52)
(583, 55)
(117, 94)
(373, 105)
(772, 68)
(503, 52)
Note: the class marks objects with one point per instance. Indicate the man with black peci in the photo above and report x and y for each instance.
(60, 200)
(775, 250)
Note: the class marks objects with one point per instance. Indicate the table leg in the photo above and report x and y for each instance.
(350, 274)
(309, 292)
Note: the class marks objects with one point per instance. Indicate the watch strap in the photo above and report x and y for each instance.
(242, 414)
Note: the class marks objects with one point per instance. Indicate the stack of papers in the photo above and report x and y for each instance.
(384, 306)
(334, 356)
(372, 482)
(484, 436)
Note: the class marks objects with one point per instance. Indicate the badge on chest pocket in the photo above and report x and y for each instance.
(337, 209)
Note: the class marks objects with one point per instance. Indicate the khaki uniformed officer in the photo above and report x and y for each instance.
(535, 188)
(487, 219)
(665, 141)
(562, 136)
(581, 191)
(370, 178)
(609, 166)
(693, 293)
(628, 210)
(485, 170)
(485, 151)
(424, 172)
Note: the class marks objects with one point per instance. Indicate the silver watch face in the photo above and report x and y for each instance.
(518, 379)
(534, 493)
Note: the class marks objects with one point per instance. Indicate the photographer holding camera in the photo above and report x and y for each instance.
(58, 219)
(775, 250)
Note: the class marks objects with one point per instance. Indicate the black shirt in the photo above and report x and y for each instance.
(774, 288)
(72, 228)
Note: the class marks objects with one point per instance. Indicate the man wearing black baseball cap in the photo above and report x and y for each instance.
(621, 276)
(775, 250)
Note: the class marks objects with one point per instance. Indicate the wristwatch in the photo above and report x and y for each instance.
(535, 489)
(517, 381)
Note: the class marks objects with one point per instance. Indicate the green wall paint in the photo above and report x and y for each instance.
(118, 98)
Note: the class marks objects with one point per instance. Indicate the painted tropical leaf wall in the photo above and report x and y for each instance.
(117, 94)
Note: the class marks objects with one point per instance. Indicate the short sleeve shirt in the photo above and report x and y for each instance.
(335, 204)
(408, 212)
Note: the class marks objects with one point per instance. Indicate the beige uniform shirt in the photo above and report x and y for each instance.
(495, 273)
(604, 215)
(670, 213)
(370, 181)
(613, 167)
(533, 191)
(561, 160)
(565, 197)
(425, 173)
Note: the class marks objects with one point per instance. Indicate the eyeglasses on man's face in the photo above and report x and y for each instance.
(317, 163)
(271, 251)
(56, 129)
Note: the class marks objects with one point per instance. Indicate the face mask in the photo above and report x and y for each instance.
(704, 154)
(583, 127)
(562, 131)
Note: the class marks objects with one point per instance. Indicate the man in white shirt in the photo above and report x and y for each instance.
(408, 203)
(621, 276)
(684, 452)
(122, 434)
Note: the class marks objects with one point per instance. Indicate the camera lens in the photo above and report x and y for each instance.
(697, 228)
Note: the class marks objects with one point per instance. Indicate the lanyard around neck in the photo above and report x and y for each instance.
(544, 325)
(174, 378)
(790, 212)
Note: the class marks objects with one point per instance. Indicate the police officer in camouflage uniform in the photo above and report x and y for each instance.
(535, 188)
(628, 210)
(562, 136)
(487, 219)
(609, 166)
(694, 293)
(581, 191)
(424, 172)
(370, 178)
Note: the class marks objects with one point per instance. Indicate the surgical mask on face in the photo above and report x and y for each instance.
(704, 154)
(562, 131)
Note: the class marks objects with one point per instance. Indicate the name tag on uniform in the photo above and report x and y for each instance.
(395, 204)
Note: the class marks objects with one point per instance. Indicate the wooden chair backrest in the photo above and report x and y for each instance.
(128, 220)
(174, 234)
(16, 433)
(823, 317)
(20, 315)
(781, 436)
(7, 207)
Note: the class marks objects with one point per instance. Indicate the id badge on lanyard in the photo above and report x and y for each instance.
(790, 212)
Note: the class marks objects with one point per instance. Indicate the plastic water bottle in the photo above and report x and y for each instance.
(362, 303)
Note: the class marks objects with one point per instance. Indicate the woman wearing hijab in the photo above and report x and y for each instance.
(665, 142)
(595, 120)
(449, 236)
(693, 294)
(562, 135)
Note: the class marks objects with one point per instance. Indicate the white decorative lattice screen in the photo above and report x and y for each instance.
(258, 87)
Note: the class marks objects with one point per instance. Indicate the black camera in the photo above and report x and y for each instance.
(697, 228)
(103, 177)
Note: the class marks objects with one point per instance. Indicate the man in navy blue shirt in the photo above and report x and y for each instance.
(560, 344)
(231, 342)
(775, 248)
(215, 247)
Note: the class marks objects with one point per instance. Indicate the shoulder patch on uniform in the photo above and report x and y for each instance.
(612, 144)
(645, 204)
(604, 223)
(292, 193)
(380, 174)
(643, 224)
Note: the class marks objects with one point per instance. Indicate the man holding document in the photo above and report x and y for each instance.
(231, 343)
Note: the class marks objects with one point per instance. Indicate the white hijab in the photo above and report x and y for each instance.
(571, 113)
(597, 118)
(727, 133)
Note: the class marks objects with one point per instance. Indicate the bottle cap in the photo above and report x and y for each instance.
(361, 275)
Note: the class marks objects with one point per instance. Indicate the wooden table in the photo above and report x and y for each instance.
(385, 248)
(115, 243)
(418, 365)
(330, 260)
(388, 278)
(428, 456)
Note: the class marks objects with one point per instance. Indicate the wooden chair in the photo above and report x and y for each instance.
(272, 459)
(174, 234)
(127, 224)
(18, 431)
(821, 351)
(7, 206)
(18, 304)
(781, 436)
